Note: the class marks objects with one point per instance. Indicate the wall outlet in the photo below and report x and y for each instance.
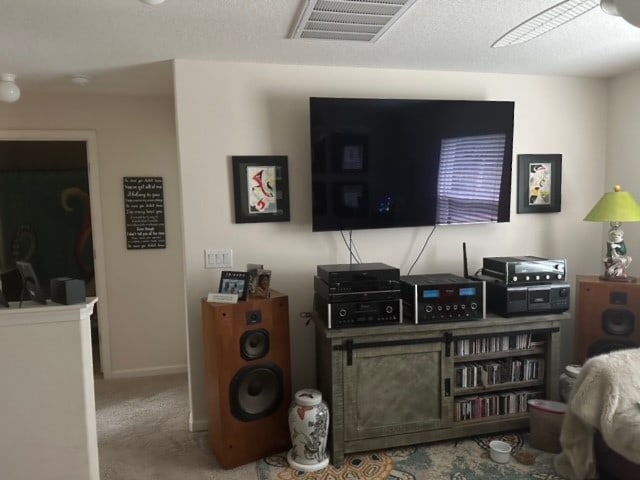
(218, 258)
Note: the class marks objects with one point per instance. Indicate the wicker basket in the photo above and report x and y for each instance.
(545, 423)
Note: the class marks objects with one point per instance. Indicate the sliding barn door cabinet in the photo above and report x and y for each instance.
(390, 386)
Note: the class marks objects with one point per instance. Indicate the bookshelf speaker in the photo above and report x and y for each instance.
(607, 317)
(248, 378)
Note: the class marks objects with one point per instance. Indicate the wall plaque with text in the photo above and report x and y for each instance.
(144, 212)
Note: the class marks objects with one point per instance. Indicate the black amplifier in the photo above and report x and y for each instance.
(442, 297)
(384, 290)
(525, 269)
(358, 314)
(512, 300)
(358, 276)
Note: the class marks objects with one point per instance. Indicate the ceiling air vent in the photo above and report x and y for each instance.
(360, 20)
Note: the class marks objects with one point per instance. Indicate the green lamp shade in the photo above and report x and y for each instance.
(616, 206)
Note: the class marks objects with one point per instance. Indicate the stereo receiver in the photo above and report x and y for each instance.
(442, 297)
(359, 313)
(525, 269)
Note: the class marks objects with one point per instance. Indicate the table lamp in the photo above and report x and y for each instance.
(616, 207)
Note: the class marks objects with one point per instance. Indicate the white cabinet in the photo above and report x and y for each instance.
(47, 403)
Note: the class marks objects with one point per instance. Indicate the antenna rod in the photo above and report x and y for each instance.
(465, 267)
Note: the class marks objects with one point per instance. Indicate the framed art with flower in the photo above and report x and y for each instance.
(261, 188)
(539, 183)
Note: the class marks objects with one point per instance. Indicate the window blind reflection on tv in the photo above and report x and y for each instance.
(384, 163)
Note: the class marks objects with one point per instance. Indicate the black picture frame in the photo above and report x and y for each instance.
(30, 283)
(539, 183)
(234, 282)
(261, 188)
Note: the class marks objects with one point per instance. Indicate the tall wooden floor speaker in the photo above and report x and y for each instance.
(248, 378)
(607, 317)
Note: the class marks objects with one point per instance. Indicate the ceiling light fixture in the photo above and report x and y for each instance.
(152, 2)
(80, 80)
(9, 91)
(627, 9)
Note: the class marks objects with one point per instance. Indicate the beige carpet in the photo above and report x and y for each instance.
(143, 435)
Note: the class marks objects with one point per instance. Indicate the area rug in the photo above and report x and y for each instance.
(465, 459)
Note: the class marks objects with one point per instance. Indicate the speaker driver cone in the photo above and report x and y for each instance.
(254, 344)
(256, 391)
(618, 321)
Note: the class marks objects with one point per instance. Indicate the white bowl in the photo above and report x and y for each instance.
(499, 451)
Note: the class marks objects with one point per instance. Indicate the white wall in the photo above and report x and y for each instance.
(135, 137)
(225, 109)
(623, 155)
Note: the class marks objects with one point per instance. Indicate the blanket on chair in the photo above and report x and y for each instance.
(605, 397)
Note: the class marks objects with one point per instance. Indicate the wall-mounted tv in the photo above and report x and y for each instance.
(382, 163)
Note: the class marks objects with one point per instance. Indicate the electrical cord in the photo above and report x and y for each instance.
(422, 249)
(353, 251)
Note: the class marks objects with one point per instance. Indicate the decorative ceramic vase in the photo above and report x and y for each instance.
(309, 428)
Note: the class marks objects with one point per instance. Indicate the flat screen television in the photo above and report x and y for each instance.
(383, 163)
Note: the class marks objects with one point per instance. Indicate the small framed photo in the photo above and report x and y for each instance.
(30, 284)
(252, 276)
(261, 188)
(234, 282)
(263, 286)
(539, 183)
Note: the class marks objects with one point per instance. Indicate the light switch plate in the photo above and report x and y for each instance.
(218, 258)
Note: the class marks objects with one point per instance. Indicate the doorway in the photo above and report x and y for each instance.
(50, 217)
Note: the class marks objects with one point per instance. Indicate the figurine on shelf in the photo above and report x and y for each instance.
(617, 261)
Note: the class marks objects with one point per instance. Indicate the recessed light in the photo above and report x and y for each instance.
(152, 2)
(81, 80)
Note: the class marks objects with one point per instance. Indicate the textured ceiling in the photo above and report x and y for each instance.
(125, 46)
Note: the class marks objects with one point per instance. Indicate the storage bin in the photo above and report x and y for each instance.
(545, 423)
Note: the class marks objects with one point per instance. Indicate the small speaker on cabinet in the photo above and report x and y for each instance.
(607, 317)
(248, 378)
(67, 291)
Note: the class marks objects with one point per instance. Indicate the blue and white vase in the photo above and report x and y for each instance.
(309, 428)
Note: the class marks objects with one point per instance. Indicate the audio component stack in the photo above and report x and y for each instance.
(525, 285)
(442, 297)
(358, 295)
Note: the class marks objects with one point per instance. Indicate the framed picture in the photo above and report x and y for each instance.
(30, 284)
(539, 183)
(261, 188)
(234, 282)
(263, 286)
(252, 276)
